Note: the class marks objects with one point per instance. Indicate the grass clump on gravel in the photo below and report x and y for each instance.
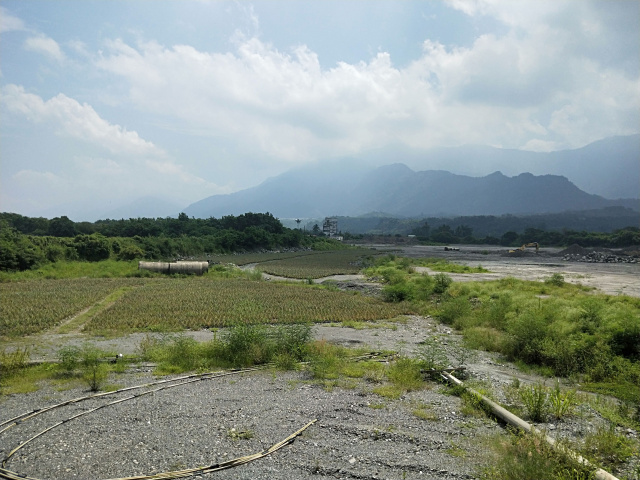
(522, 456)
(84, 365)
(242, 345)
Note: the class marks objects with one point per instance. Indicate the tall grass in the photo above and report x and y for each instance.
(77, 269)
(523, 456)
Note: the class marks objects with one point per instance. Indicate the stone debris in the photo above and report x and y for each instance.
(598, 257)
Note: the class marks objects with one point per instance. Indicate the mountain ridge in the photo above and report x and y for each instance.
(398, 190)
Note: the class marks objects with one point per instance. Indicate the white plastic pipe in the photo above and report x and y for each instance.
(516, 421)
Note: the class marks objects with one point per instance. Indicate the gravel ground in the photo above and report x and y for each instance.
(357, 435)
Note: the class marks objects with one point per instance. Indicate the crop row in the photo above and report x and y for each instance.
(323, 264)
(174, 304)
(246, 258)
(34, 306)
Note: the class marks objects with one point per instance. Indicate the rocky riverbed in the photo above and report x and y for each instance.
(355, 434)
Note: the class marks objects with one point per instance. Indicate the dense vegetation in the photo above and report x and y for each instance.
(562, 329)
(444, 233)
(29, 242)
(491, 227)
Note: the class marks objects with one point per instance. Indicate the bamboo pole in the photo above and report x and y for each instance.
(511, 419)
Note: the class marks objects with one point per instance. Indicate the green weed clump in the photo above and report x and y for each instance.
(242, 345)
(94, 370)
(523, 456)
(406, 374)
(12, 362)
(607, 447)
(536, 402)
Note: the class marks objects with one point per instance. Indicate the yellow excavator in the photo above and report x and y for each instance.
(525, 246)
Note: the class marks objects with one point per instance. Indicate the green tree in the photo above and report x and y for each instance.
(62, 227)
(94, 247)
(509, 239)
(17, 251)
(444, 234)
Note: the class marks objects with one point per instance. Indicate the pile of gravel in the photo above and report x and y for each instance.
(576, 253)
(599, 257)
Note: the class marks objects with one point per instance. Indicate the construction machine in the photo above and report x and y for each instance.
(525, 246)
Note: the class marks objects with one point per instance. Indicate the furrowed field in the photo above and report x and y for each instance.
(34, 306)
(223, 297)
(311, 264)
(192, 303)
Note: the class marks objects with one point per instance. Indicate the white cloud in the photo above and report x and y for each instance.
(44, 45)
(76, 120)
(503, 90)
(125, 167)
(9, 23)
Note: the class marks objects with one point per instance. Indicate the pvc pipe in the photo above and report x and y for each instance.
(516, 421)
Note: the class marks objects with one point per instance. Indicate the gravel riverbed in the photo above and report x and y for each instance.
(356, 435)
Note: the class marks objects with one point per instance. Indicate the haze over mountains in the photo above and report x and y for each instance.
(607, 171)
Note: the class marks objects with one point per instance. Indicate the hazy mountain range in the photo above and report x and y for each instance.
(466, 180)
(348, 187)
(398, 190)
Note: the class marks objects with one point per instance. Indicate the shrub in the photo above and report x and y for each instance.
(69, 357)
(432, 354)
(247, 345)
(130, 252)
(528, 332)
(293, 340)
(396, 292)
(442, 282)
(14, 361)
(557, 280)
(454, 309)
(94, 372)
(423, 287)
(94, 247)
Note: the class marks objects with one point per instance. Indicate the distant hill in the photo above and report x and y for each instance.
(349, 189)
(609, 167)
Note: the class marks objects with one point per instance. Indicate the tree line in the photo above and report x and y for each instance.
(444, 233)
(28, 242)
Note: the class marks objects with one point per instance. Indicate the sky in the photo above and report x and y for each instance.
(103, 102)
